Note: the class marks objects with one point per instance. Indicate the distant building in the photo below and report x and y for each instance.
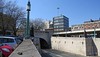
(91, 24)
(7, 32)
(20, 32)
(48, 24)
(86, 25)
(51, 25)
(77, 27)
(60, 24)
(89, 29)
(69, 28)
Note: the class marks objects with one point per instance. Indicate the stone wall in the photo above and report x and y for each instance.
(42, 34)
(46, 35)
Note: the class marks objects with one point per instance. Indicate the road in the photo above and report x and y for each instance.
(55, 53)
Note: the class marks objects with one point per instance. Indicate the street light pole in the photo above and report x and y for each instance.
(94, 33)
(27, 23)
(66, 34)
(85, 35)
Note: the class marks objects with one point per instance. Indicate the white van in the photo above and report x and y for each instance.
(8, 41)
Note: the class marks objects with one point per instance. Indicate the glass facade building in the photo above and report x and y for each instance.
(61, 23)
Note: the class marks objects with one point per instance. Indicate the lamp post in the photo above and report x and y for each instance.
(27, 23)
(94, 33)
(66, 34)
(85, 35)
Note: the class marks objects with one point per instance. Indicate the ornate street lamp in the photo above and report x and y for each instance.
(85, 34)
(94, 33)
(27, 23)
(28, 6)
(66, 34)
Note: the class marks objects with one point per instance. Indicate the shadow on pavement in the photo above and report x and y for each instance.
(45, 54)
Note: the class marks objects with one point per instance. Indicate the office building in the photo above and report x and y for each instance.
(60, 24)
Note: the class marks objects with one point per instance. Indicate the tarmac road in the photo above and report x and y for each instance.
(55, 53)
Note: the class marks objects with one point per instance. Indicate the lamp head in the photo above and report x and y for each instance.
(28, 5)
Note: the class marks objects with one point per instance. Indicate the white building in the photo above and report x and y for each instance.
(48, 24)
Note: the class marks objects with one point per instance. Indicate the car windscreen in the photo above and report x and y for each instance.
(6, 40)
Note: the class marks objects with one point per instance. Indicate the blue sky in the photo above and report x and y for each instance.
(77, 11)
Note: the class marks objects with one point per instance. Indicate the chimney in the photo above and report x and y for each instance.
(91, 20)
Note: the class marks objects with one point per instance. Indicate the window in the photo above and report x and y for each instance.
(6, 40)
(93, 27)
(58, 29)
(75, 27)
(58, 20)
(88, 24)
(58, 23)
(10, 40)
(82, 27)
(85, 25)
(58, 17)
(58, 26)
(55, 29)
(92, 24)
(89, 27)
(61, 17)
(97, 25)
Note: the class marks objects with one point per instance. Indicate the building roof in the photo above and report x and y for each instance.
(77, 25)
(60, 16)
(91, 21)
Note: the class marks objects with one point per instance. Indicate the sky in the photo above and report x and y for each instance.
(77, 11)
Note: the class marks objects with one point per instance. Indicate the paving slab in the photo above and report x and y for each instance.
(26, 49)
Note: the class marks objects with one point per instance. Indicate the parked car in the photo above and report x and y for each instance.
(6, 50)
(10, 35)
(8, 41)
(20, 38)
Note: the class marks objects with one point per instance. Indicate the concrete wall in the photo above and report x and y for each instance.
(97, 45)
(72, 45)
(82, 46)
(89, 46)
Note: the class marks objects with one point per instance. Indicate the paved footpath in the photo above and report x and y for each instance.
(26, 49)
(55, 53)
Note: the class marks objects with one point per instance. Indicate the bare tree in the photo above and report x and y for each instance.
(16, 15)
(3, 21)
(37, 23)
(11, 16)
